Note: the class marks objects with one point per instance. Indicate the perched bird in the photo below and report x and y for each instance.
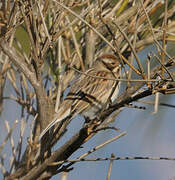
(89, 93)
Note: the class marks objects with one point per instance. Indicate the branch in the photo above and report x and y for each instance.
(19, 62)
(77, 141)
(61, 154)
(43, 103)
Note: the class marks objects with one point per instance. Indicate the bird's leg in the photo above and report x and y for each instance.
(89, 122)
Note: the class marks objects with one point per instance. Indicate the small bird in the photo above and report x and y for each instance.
(89, 93)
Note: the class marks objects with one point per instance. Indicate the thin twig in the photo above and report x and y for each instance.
(12, 144)
(59, 75)
(64, 175)
(122, 158)
(155, 40)
(95, 148)
(99, 34)
(8, 136)
(156, 104)
(164, 39)
(113, 79)
(43, 21)
(148, 68)
(133, 50)
(76, 15)
(2, 166)
(164, 67)
(29, 30)
(160, 104)
(134, 46)
(110, 167)
(20, 141)
(77, 47)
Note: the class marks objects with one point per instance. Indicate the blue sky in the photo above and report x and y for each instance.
(148, 134)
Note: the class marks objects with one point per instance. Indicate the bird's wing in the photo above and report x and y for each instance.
(85, 92)
(88, 91)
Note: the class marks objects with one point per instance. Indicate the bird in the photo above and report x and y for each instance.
(91, 91)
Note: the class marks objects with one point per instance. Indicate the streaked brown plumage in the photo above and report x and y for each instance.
(88, 94)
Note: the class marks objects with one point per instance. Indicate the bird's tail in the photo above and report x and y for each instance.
(62, 113)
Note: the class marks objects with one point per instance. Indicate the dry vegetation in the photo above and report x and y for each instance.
(43, 46)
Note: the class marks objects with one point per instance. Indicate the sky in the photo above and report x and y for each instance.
(148, 134)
